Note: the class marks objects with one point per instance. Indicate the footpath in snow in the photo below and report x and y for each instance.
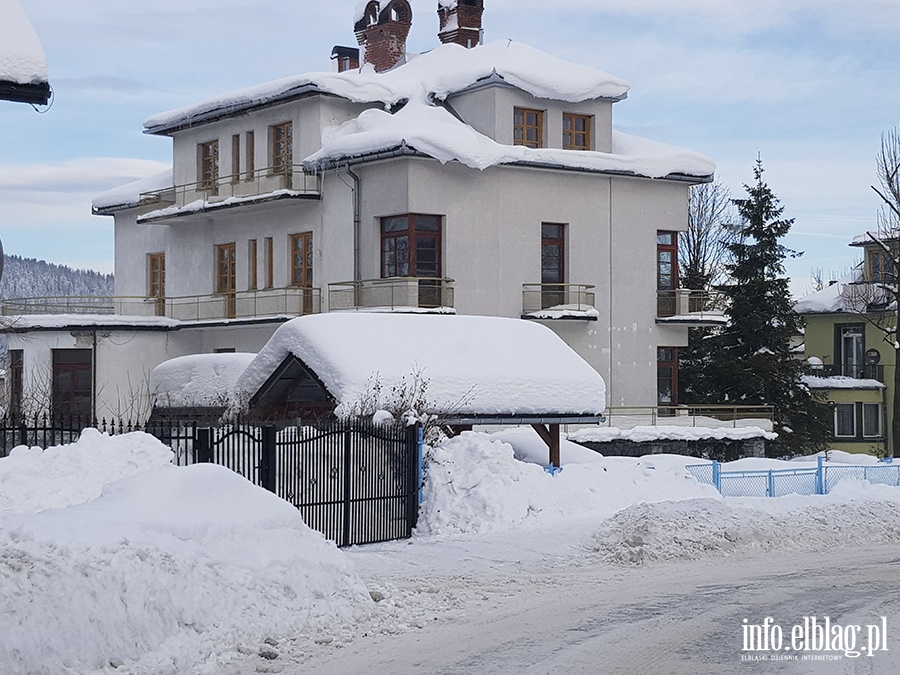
(113, 560)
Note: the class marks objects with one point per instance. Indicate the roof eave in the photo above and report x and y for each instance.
(35, 93)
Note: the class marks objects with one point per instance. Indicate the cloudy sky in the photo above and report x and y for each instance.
(807, 85)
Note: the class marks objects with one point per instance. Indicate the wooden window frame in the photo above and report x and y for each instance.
(235, 158)
(270, 262)
(282, 147)
(553, 292)
(16, 382)
(250, 155)
(252, 276)
(573, 133)
(208, 166)
(667, 361)
(226, 277)
(521, 126)
(156, 281)
(302, 266)
(413, 234)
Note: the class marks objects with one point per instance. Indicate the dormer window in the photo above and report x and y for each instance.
(528, 127)
(576, 132)
(882, 267)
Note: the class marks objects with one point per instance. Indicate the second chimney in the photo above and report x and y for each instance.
(460, 21)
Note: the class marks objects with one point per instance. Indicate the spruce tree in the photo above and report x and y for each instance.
(748, 361)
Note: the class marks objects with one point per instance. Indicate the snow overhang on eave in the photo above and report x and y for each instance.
(516, 419)
(36, 93)
(223, 112)
(405, 150)
(112, 209)
(497, 80)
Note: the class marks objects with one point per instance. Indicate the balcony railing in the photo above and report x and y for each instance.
(709, 416)
(690, 304)
(209, 194)
(558, 301)
(394, 293)
(859, 371)
(291, 301)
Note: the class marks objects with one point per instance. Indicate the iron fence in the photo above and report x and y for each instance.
(353, 481)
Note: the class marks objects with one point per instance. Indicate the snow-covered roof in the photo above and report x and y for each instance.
(22, 59)
(128, 195)
(833, 298)
(840, 382)
(474, 365)
(433, 131)
(447, 69)
(197, 380)
(64, 321)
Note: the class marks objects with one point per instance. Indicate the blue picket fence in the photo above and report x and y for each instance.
(808, 480)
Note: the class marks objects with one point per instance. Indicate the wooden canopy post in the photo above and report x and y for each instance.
(550, 435)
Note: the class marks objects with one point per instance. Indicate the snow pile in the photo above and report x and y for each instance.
(854, 513)
(475, 484)
(171, 570)
(130, 193)
(473, 365)
(22, 57)
(200, 380)
(32, 479)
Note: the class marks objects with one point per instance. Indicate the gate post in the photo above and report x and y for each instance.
(203, 446)
(820, 476)
(267, 459)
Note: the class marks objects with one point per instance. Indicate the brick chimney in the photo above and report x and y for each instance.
(382, 32)
(460, 21)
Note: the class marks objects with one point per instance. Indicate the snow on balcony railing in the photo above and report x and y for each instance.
(708, 416)
(558, 301)
(686, 305)
(393, 294)
(229, 190)
(291, 301)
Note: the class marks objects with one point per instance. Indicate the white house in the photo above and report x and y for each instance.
(477, 179)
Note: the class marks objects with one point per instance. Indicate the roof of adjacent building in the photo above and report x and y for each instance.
(23, 66)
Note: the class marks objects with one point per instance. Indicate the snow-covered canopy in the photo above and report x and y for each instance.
(473, 365)
(22, 59)
(447, 69)
(129, 194)
(197, 380)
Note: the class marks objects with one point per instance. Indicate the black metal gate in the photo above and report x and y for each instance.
(355, 482)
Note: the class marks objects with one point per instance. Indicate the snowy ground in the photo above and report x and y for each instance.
(111, 560)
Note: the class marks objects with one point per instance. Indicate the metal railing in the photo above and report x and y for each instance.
(859, 371)
(691, 416)
(251, 184)
(291, 301)
(805, 480)
(395, 293)
(684, 302)
(557, 297)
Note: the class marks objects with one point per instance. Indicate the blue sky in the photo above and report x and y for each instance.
(808, 85)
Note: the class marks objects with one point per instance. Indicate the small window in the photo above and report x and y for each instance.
(871, 420)
(845, 420)
(282, 147)
(16, 382)
(528, 127)
(576, 132)
(411, 246)
(208, 165)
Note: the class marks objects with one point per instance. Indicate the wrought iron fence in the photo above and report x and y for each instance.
(354, 481)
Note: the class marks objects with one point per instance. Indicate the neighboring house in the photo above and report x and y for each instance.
(473, 179)
(850, 362)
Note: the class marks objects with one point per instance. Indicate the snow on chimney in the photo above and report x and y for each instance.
(461, 22)
(382, 32)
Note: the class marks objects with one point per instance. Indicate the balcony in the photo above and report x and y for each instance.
(394, 294)
(558, 301)
(686, 306)
(291, 301)
(861, 371)
(707, 416)
(267, 184)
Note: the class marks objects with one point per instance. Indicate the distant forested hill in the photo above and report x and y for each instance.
(28, 278)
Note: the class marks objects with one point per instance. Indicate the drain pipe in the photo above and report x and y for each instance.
(357, 226)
